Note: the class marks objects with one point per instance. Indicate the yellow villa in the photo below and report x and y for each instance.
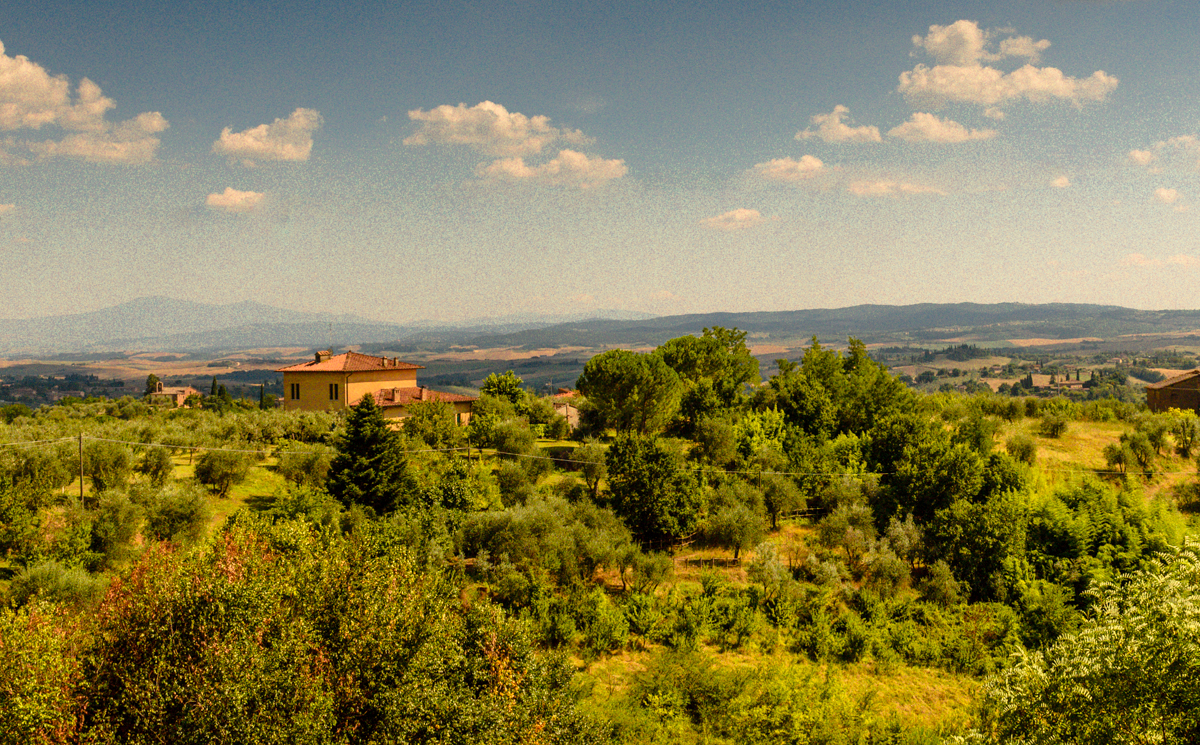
(335, 381)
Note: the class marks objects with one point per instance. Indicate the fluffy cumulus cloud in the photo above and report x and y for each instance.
(289, 139)
(1141, 157)
(33, 99)
(1169, 152)
(569, 168)
(889, 189)
(234, 201)
(489, 128)
(832, 127)
(961, 73)
(1166, 196)
(738, 219)
(929, 128)
(790, 169)
(1061, 182)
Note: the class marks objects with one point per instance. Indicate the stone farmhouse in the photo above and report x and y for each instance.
(1179, 392)
(176, 395)
(335, 381)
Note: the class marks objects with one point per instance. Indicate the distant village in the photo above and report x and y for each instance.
(963, 368)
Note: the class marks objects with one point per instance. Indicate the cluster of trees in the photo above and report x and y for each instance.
(397, 561)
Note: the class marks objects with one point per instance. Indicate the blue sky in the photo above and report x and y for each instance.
(442, 160)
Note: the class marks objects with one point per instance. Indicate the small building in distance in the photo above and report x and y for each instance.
(330, 382)
(175, 395)
(1179, 392)
(566, 404)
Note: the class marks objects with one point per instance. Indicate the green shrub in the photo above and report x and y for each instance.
(605, 628)
(305, 465)
(107, 464)
(220, 470)
(1053, 426)
(156, 465)
(114, 524)
(50, 580)
(179, 514)
(645, 617)
(1022, 447)
(939, 586)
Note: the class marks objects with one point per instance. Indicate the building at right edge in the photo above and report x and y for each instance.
(1179, 392)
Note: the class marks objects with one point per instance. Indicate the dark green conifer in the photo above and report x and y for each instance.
(370, 467)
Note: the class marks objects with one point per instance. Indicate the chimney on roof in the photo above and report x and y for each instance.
(323, 355)
(424, 392)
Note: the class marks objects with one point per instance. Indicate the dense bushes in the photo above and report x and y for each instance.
(286, 634)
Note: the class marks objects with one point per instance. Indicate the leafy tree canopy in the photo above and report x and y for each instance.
(631, 392)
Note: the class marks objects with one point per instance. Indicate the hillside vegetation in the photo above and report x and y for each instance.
(826, 556)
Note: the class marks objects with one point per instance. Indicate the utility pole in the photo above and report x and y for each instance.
(81, 466)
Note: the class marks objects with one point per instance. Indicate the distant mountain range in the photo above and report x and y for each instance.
(156, 323)
(159, 323)
(928, 323)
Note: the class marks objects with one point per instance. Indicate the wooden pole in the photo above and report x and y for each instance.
(81, 466)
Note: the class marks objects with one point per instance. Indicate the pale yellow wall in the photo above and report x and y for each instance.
(314, 387)
(314, 391)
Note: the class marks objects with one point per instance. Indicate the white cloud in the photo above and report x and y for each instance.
(960, 43)
(569, 168)
(1183, 142)
(832, 128)
(1166, 196)
(131, 141)
(1141, 157)
(1023, 46)
(1061, 182)
(31, 98)
(790, 169)
(289, 139)
(738, 219)
(489, 128)
(959, 74)
(232, 200)
(987, 86)
(964, 43)
(889, 189)
(1171, 152)
(929, 128)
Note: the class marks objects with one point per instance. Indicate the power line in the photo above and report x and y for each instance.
(698, 469)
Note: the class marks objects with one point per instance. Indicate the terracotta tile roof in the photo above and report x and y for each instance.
(1177, 379)
(404, 396)
(350, 362)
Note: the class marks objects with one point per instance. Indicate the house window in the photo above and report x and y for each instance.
(333, 391)
(295, 391)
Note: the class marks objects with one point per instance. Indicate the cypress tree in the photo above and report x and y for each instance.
(370, 468)
(213, 390)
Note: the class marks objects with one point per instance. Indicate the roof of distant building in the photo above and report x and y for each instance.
(404, 396)
(349, 362)
(1176, 379)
